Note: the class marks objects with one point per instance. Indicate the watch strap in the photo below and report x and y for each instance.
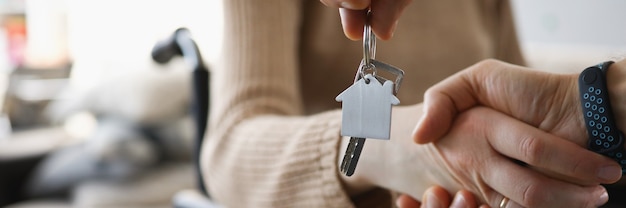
(604, 136)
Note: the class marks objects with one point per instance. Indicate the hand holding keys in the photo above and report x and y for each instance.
(366, 106)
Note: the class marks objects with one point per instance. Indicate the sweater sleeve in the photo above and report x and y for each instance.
(508, 47)
(260, 151)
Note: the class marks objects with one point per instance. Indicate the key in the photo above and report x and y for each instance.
(366, 105)
(351, 156)
(366, 113)
(366, 108)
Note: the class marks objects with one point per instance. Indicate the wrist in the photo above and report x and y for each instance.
(381, 161)
(603, 130)
(357, 183)
(579, 134)
(616, 85)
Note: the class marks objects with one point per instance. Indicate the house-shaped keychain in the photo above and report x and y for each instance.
(366, 108)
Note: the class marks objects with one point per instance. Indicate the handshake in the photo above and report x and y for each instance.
(511, 136)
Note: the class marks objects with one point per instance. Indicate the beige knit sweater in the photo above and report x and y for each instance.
(274, 124)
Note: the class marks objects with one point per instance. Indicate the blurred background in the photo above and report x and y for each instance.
(562, 35)
(88, 119)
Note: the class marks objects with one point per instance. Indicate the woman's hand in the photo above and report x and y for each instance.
(384, 16)
(547, 101)
(480, 154)
(438, 197)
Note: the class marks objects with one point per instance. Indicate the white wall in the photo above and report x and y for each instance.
(570, 34)
(113, 36)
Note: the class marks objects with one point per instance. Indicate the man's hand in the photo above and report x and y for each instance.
(438, 197)
(488, 166)
(483, 153)
(547, 101)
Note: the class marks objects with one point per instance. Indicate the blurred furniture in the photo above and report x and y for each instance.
(180, 43)
(20, 154)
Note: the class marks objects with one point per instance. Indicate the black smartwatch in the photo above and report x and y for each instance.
(604, 137)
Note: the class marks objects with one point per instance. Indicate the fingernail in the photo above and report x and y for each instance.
(419, 122)
(459, 201)
(348, 5)
(417, 128)
(603, 198)
(610, 173)
(432, 201)
(393, 29)
(398, 202)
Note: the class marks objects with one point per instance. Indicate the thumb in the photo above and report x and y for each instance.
(437, 115)
(442, 103)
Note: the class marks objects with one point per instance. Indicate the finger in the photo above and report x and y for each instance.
(385, 15)
(547, 152)
(353, 22)
(406, 201)
(479, 84)
(529, 188)
(614, 77)
(463, 199)
(442, 103)
(523, 185)
(505, 202)
(436, 196)
(496, 176)
(348, 4)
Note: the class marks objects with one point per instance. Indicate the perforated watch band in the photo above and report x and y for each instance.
(604, 137)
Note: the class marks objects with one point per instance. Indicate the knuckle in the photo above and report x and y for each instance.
(487, 63)
(531, 150)
(482, 68)
(534, 195)
(579, 166)
(430, 92)
(481, 72)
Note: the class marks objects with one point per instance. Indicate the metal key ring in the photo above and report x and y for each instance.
(369, 43)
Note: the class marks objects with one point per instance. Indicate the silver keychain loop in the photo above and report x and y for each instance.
(370, 64)
(369, 48)
(363, 118)
(369, 44)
